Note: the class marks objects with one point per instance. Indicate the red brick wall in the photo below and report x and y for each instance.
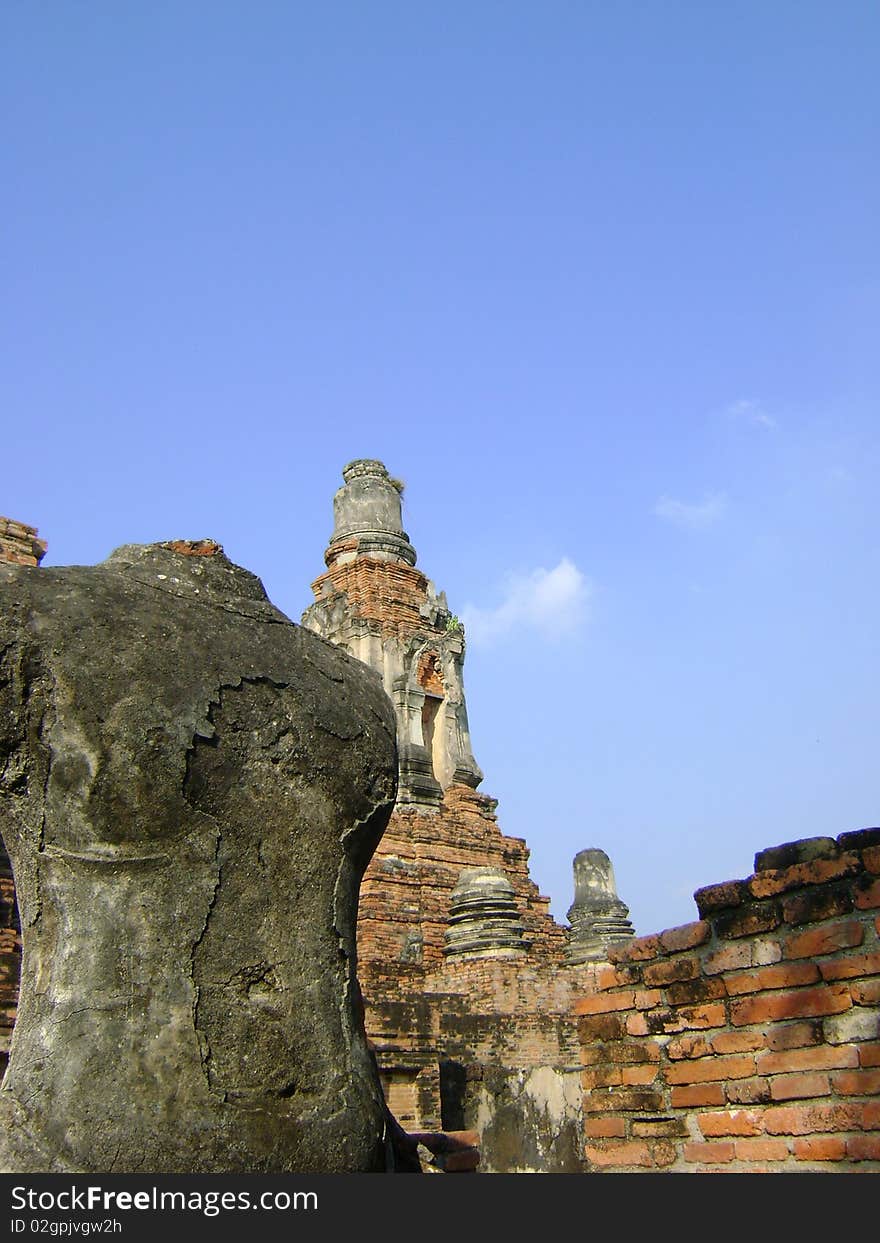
(750, 1040)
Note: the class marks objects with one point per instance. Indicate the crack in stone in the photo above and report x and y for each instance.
(203, 1041)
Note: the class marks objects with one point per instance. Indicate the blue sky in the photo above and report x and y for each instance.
(600, 282)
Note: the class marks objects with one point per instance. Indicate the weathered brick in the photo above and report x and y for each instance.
(764, 952)
(639, 1076)
(659, 1128)
(622, 1100)
(867, 893)
(690, 992)
(709, 1154)
(761, 1150)
(781, 975)
(689, 1095)
(730, 1122)
(623, 1154)
(696, 1018)
(826, 1057)
(863, 1148)
(850, 967)
(816, 872)
(820, 1148)
(801, 1003)
(646, 998)
(728, 958)
(663, 1152)
(748, 921)
(672, 970)
(860, 839)
(713, 898)
(869, 1054)
(601, 1077)
(813, 905)
(825, 940)
(737, 1042)
(638, 1153)
(689, 1045)
(603, 1003)
(857, 1082)
(703, 1070)
(865, 992)
(601, 1026)
(805, 850)
(754, 1091)
(604, 1128)
(636, 1025)
(852, 1027)
(633, 1051)
(639, 949)
(806, 1119)
(870, 1116)
(686, 936)
(794, 1035)
(663, 1019)
(618, 977)
(799, 1087)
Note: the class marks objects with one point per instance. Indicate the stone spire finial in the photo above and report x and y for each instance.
(367, 517)
(484, 921)
(598, 918)
(375, 603)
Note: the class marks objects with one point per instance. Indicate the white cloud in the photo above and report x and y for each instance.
(748, 411)
(551, 603)
(696, 516)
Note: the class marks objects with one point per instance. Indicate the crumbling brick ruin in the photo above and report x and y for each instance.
(19, 544)
(746, 1041)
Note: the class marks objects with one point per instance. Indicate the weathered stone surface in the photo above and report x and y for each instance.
(597, 916)
(528, 1121)
(790, 853)
(190, 789)
(483, 916)
(367, 518)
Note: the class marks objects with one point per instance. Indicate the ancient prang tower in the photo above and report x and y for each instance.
(464, 972)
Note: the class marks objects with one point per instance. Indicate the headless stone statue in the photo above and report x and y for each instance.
(190, 789)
